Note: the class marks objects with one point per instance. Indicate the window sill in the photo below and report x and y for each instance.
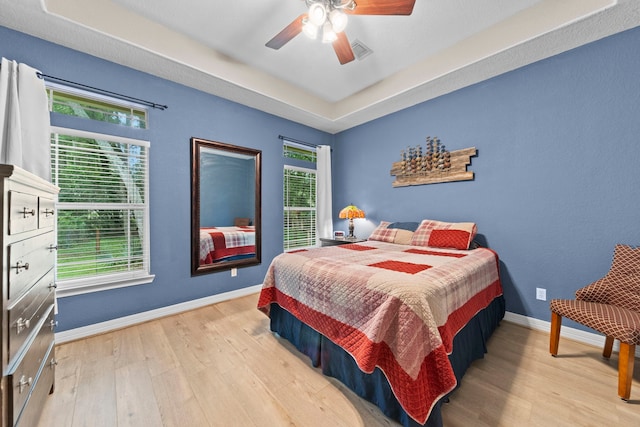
(70, 288)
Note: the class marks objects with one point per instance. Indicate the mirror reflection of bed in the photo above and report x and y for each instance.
(226, 197)
(221, 244)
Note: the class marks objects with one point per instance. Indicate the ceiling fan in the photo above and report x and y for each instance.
(327, 20)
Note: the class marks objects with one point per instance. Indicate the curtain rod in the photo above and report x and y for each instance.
(104, 92)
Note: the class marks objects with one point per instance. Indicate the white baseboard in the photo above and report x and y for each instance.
(585, 337)
(123, 322)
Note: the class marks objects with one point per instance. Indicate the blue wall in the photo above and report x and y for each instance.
(557, 181)
(190, 113)
(557, 175)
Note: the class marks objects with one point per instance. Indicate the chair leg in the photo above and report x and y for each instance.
(608, 346)
(554, 337)
(625, 369)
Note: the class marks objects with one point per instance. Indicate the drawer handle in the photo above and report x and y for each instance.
(22, 324)
(53, 324)
(24, 382)
(25, 212)
(18, 266)
(48, 212)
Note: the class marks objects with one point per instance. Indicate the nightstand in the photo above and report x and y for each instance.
(335, 241)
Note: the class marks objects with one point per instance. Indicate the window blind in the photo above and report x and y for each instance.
(102, 228)
(299, 208)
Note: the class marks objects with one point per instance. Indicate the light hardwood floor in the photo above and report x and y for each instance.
(220, 366)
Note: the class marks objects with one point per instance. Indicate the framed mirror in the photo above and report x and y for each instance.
(225, 206)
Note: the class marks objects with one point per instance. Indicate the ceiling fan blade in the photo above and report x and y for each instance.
(343, 48)
(288, 33)
(382, 7)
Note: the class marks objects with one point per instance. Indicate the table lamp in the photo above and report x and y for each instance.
(351, 212)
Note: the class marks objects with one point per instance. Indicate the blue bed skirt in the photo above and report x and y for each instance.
(468, 345)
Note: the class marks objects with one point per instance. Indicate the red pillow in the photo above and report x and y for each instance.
(438, 234)
(456, 239)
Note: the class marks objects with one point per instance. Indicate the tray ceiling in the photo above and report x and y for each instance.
(219, 47)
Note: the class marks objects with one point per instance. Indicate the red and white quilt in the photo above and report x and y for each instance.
(219, 243)
(392, 306)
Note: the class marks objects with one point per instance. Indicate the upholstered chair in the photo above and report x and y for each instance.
(611, 306)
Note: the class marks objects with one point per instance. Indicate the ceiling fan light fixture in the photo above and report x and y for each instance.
(317, 14)
(309, 29)
(327, 20)
(338, 20)
(328, 34)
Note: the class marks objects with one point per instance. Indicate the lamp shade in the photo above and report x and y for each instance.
(309, 28)
(351, 211)
(338, 20)
(328, 35)
(317, 14)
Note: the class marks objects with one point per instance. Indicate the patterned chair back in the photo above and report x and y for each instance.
(623, 279)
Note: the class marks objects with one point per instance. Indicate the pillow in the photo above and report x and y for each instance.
(411, 226)
(437, 234)
(403, 237)
(383, 233)
(241, 222)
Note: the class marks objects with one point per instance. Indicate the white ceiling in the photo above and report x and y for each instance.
(219, 47)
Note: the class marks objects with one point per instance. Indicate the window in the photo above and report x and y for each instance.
(295, 151)
(299, 198)
(80, 103)
(102, 208)
(103, 204)
(299, 208)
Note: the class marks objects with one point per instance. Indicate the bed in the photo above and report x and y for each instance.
(226, 243)
(397, 321)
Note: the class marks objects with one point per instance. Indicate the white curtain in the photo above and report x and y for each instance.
(24, 119)
(323, 190)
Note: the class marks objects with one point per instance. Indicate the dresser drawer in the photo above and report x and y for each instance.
(46, 213)
(32, 409)
(23, 375)
(23, 212)
(28, 261)
(28, 310)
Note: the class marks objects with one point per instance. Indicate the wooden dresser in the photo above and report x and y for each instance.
(28, 291)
